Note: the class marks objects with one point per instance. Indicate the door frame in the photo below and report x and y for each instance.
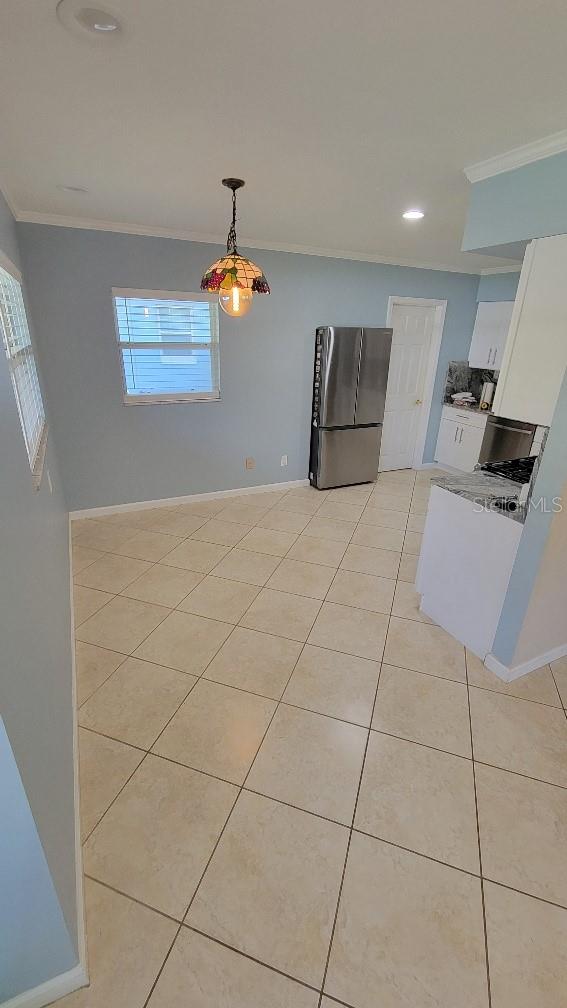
(432, 363)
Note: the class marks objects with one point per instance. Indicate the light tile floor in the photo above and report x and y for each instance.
(270, 815)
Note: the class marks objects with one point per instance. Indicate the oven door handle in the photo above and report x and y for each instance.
(515, 430)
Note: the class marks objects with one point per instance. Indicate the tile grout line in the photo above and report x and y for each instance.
(482, 896)
(247, 955)
(198, 678)
(258, 747)
(146, 752)
(363, 764)
(116, 796)
(224, 826)
(310, 710)
(281, 701)
(209, 859)
(162, 967)
(558, 690)
(167, 668)
(420, 854)
(317, 815)
(133, 899)
(240, 790)
(96, 689)
(273, 715)
(143, 757)
(230, 548)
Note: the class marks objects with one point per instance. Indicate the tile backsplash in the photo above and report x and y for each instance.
(461, 377)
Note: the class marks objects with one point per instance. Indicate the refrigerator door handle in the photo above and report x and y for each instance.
(375, 348)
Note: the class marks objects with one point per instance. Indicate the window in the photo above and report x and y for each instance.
(169, 346)
(23, 371)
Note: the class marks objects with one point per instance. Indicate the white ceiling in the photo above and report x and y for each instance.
(339, 115)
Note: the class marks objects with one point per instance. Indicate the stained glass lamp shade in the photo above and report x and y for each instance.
(235, 278)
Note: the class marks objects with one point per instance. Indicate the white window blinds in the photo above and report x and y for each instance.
(169, 346)
(23, 371)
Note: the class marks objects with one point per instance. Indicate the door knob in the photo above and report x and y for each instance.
(418, 402)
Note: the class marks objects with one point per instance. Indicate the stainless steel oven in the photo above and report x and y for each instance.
(506, 439)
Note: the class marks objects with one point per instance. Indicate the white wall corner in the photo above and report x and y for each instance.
(510, 672)
(51, 990)
(9, 201)
(555, 143)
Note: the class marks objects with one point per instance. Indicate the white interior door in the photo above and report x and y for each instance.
(412, 326)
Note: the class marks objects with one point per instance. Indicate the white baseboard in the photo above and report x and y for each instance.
(51, 990)
(440, 466)
(187, 499)
(509, 673)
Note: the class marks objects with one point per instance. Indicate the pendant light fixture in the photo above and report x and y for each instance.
(233, 277)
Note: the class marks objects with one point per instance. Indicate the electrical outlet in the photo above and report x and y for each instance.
(283, 461)
(250, 463)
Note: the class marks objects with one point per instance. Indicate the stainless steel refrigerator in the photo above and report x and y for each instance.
(349, 394)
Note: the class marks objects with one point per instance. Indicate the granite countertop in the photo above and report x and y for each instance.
(480, 488)
(468, 409)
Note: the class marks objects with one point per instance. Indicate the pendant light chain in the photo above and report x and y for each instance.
(231, 246)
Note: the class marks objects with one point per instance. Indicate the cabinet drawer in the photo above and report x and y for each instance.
(469, 418)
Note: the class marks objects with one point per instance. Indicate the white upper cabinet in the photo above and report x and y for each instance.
(490, 334)
(535, 355)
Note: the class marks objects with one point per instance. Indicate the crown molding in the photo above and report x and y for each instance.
(556, 143)
(92, 224)
(494, 270)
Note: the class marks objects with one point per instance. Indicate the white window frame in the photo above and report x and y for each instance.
(128, 399)
(36, 452)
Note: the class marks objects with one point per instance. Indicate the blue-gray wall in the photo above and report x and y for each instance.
(35, 692)
(113, 454)
(516, 206)
(498, 287)
(34, 942)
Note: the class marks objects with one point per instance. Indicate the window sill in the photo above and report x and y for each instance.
(167, 400)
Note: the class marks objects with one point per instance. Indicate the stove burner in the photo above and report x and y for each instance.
(517, 470)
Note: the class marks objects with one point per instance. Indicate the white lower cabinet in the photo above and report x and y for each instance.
(465, 563)
(460, 438)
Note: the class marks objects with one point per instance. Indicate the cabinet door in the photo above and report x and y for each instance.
(490, 333)
(469, 440)
(535, 355)
(446, 451)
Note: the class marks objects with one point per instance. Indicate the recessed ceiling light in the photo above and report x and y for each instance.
(83, 20)
(413, 214)
(73, 188)
(98, 20)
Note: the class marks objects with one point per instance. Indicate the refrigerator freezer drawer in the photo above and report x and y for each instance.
(347, 455)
